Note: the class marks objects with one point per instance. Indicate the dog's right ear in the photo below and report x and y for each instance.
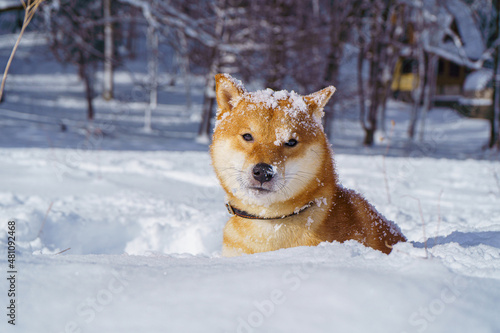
(228, 92)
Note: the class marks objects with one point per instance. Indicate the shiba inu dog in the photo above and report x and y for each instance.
(273, 160)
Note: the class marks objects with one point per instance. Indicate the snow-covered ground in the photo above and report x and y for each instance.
(142, 216)
(145, 230)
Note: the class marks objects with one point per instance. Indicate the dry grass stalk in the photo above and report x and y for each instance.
(63, 251)
(439, 217)
(30, 8)
(384, 169)
(45, 219)
(423, 223)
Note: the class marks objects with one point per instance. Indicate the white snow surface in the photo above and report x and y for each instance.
(469, 45)
(270, 99)
(478, 80)
(472, 40)
(145, 232)
(9, 4)
(475, 101)
(142, 214)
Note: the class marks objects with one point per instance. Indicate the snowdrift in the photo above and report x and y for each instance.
(145, 232)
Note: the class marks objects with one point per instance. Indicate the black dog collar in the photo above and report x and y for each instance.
(241, 213)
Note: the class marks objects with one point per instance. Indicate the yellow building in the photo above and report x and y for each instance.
(453, 64)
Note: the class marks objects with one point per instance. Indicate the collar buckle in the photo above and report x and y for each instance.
(230, 209)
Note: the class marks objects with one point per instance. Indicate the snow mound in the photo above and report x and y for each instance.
(145, 232)
(478, 80)
(270, 99)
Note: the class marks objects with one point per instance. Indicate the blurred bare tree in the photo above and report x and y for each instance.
(74, 39)
(77, 36)
(495, 135)
(281, 44)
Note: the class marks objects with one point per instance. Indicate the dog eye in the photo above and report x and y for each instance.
(247, 137)
(291, 142)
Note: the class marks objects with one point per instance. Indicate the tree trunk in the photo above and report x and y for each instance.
(361, 89)
(208, 105)
(429, 91)
(208, 98)
(108, 51)
(495, 124)
(277, 59)
(152, 77)
(89, 91)
(277, 45)
(419, 94)
(374, 96)
(381, 34)
(338, 36)
(209, 95)
(372, 122)
(331, 77)
(375, 93)
(184, 65)
(493, 132)
(369, 137)
(131, 33)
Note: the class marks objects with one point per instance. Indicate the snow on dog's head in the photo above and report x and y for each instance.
(267, 143)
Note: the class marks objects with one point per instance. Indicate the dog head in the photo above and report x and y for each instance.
(268, 146)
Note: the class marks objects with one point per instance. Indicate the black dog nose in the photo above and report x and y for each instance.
(263, 172)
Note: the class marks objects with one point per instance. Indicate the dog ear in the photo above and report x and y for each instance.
(317, 101)
(228, 92)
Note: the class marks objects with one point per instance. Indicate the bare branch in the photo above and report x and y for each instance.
(29, 11)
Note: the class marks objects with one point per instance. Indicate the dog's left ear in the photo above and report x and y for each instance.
(228, 91)
(317, 101)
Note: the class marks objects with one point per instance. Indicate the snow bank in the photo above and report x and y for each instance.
(478, 80)
(129, 216)
(333, 287)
